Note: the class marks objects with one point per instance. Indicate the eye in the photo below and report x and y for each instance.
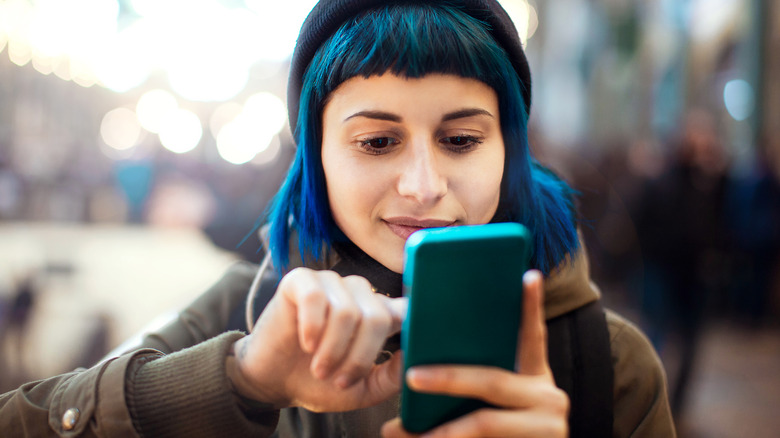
(376, 145)
(461, 143)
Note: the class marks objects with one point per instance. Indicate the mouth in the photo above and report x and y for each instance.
(403, 227)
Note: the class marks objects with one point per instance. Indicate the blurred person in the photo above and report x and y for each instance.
(753, 221)
(406, 116)
(15, 315)
(685, 244)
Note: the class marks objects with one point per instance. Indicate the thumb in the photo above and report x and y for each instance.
(532, 351)
(385, 379)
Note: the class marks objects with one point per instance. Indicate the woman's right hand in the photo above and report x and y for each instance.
(316, 343)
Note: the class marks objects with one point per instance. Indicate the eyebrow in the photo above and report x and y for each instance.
(467, 112)
(376, 115)
(390, 117)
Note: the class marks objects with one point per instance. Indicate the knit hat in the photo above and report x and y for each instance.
(328, 15)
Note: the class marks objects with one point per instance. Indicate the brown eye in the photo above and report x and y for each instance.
(378, 143)
(460, 140)
(461, 143)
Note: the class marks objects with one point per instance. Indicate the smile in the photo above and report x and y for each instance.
(403, 227)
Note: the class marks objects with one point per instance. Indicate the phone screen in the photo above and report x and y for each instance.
(465, 303)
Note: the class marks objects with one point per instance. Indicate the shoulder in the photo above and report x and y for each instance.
(629, 343)
(640, 393)
(241, 271)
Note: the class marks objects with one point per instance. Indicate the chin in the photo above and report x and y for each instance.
(397, 268)
(394, 264)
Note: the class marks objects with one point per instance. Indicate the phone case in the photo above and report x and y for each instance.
(465, 303)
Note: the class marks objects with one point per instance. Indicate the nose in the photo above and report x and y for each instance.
(421, 177)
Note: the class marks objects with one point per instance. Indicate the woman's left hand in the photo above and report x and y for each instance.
(528, 404)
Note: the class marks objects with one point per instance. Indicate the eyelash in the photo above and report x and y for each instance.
(471, 143)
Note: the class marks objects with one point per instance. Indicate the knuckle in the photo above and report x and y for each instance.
(492, 385)
(358, 283)
(296, 273)
(329, 275)
(482, 420)
(377, 322)
(346, 315)
(311, 296)
(564, 404)
(559, 400)
(296, 281)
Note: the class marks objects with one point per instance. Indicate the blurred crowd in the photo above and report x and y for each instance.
(682, 227)
(681, 238)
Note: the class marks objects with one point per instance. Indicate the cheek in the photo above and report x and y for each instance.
(487, 197)
(481, 187)
(351, 189)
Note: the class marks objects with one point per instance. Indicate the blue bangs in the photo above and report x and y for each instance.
(413, 41)
(409, 41)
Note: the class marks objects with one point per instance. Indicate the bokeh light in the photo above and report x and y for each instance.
(3, 26)
(154, 108)
(152, 8)
(266, 111)
(222, 115)
(251, 131)
(181, 131)
(125, 60)
(279, 27)
(270, 153)
(239, 143)
(212, 65)
(120, 129)
(59, 26)
(708, 18)
(739, 99)
(524, 16)
(207, 49)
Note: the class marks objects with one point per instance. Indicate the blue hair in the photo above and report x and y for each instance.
(413, 41)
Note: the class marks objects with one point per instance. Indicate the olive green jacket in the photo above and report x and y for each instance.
(174, 384)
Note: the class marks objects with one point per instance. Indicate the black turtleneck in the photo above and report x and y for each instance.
(354, 261)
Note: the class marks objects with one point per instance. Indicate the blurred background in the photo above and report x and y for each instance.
(140, 140)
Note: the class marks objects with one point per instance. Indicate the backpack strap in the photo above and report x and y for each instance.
(581, 362)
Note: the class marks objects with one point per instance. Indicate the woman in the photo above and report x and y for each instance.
(406, 116)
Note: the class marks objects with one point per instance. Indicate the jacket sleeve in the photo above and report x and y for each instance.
(81, 403)
(146, 392)
(641, 403)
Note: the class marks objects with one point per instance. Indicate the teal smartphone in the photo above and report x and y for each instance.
(465, 289)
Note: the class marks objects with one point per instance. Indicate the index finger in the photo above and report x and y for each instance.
(532, 348)
(398, 309)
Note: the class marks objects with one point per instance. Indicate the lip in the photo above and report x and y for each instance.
(403, 226)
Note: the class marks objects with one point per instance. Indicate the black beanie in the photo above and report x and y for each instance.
(328, 15)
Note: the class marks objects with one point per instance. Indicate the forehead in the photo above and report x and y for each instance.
(430, 95)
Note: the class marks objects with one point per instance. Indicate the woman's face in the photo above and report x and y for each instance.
(404, 154)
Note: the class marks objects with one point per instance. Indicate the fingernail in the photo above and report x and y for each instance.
(343, 381)
(531, 276)
(417, 377)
